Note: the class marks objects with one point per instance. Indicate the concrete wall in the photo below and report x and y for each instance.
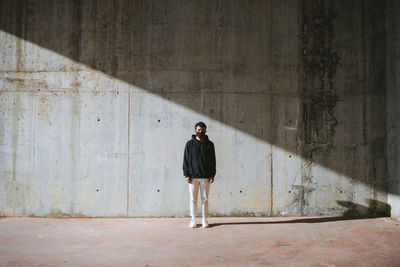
(393, 100)
(99, 97)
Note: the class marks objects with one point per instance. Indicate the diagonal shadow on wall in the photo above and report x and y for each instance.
(306, 76)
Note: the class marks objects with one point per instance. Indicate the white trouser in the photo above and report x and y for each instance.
(193, 192)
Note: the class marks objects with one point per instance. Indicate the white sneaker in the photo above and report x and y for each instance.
(204, 223)
(193, 223)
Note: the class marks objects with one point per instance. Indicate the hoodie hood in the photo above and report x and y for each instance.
(204, 140)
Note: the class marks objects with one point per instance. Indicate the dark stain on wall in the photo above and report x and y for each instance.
(319, 63)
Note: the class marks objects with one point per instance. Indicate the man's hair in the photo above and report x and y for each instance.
(201, 124)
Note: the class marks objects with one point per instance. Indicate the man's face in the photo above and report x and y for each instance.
(200, 129)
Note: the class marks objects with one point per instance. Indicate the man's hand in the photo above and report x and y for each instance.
(188, 180)
(211, 180)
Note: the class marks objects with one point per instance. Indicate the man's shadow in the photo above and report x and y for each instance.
(375, 209)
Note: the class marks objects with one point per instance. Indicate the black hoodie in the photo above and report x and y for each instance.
(199, 158)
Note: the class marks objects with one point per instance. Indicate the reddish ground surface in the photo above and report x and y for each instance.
(230, 241)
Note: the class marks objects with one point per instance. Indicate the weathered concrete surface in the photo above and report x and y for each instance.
(230, 241)
(99, 97)
(393, 100)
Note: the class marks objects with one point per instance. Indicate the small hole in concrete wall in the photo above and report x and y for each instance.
(158, 190)
(98, 119)
(290, 191)
(159, 120)
(341, 192)
(97, 190)
(290, 156)
(240, 191)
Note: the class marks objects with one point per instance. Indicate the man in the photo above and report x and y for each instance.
(199, 170)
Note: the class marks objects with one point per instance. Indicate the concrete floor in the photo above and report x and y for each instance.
(230, 241)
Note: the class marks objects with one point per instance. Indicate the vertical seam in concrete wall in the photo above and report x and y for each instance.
(384, 80)
(128, 155)
(299, 73)
(301, 109)
(271, 163)
(129, 129)
(271, 123)
(388, 84)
